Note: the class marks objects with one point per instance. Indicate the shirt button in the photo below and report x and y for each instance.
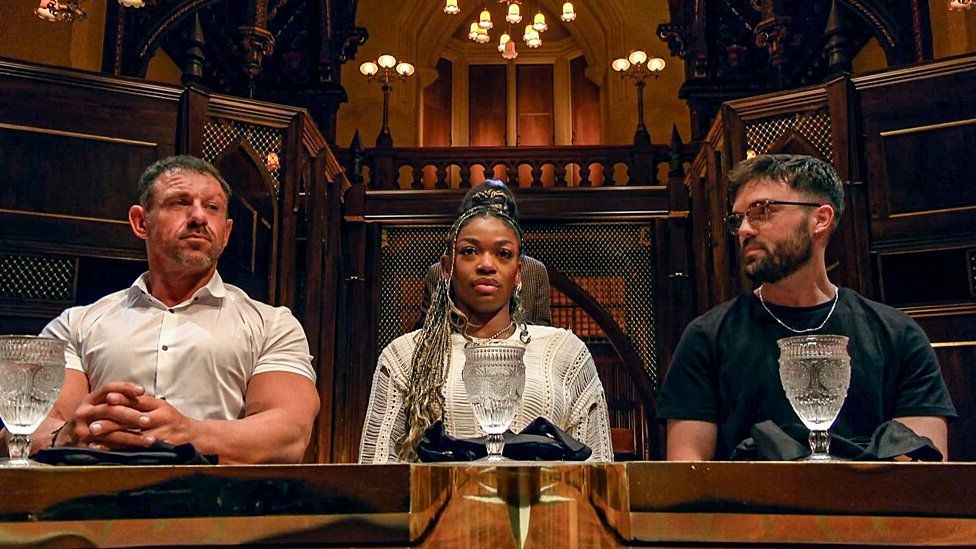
(171, 310)
(165, 348)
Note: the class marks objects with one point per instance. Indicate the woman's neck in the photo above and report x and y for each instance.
(496, 325)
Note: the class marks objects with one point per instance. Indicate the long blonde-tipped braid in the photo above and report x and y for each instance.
(424, 402)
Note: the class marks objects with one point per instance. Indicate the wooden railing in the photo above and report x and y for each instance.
(565, 166)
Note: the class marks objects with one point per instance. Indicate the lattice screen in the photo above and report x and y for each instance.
(24, 277)
(220, 132)
(814, 125)
(613, 262)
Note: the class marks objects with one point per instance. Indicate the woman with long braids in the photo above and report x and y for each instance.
(418, 376)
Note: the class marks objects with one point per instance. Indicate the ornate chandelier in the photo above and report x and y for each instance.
(513, 15)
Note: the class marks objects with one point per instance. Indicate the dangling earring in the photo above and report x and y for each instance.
(518, 316)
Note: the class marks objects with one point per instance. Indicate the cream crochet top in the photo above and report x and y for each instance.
(561, 384)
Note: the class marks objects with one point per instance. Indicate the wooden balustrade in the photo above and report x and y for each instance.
(567, 166)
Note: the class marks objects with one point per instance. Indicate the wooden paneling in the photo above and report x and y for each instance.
(535, 105)
(487, 105)
(587, 121)
(918, 125)
(959, 369)
(437, 107)
(926, 166)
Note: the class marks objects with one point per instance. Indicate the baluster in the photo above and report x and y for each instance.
(418, 177)
(584, 173)
(608, 174)
(440, 173)
(559, 174)
(511, 173)
(536, 174)
(465, 175)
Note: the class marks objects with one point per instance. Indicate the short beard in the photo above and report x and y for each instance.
(783, 260)
(199, 260)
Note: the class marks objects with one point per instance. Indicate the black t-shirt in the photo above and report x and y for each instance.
(725, 369)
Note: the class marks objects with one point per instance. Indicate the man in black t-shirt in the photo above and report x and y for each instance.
(724, 377)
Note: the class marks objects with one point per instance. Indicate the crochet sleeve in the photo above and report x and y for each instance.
(589, 419)
(385, 419)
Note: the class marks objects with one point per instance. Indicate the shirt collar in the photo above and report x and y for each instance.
(212, 293)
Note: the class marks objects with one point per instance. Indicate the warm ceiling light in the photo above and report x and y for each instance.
(620, 64)
(502, 41)
(451, 7)
(960, 5)
(386, 61)
(510, 52)
(368, 68)
(539, 23)
(473, 33)
(569, 13)
(132, 3)
(485, 20)
(514, 14)
(44, 12)
(482, 37)
(656, 64)
(404, 69)
(637, 57)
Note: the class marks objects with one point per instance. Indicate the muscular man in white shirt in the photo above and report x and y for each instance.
(180, 356)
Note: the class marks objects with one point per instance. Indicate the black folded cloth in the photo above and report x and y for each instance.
(770, 442)
(160, 453)
(541, 440)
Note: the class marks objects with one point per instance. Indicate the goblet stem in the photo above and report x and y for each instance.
(495, 443)
(819, 445)
(19, 448)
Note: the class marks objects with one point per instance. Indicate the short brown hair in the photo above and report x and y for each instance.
(801, 172)
(183, 162)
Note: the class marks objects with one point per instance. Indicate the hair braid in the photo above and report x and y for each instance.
(424, 402)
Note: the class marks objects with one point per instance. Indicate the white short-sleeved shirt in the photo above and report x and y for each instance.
(198, 355)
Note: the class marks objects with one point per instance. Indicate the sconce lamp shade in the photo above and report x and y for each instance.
(514, 14)
(43, 12)
(539, 23)
(404, 69)
(656, 64)
(620, 64)
(368, 68)
(485, 20)
(510, 52)
(386, 61)
(502, 41)
(569, 13)
(637, 57)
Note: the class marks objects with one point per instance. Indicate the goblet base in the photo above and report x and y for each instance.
(492, 458)
(16, 463)
(822, 458)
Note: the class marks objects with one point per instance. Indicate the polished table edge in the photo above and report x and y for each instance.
(408, 504)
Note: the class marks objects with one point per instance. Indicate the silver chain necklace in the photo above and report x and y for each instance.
(794, 330)
(498, 333)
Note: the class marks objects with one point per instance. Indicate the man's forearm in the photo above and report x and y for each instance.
(273, 436)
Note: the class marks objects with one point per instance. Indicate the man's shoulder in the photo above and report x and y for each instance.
(853, 299)
(106, 303)
(715, 317)
(252, 309)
